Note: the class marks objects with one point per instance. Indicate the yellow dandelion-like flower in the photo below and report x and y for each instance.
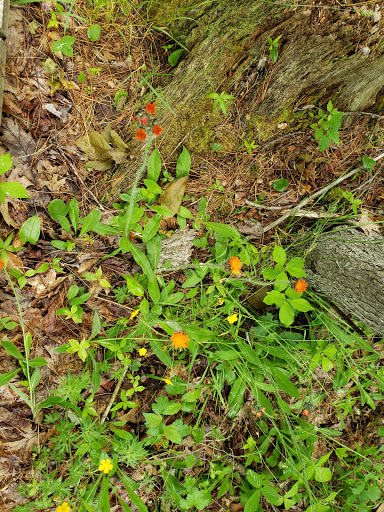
(232, 319)
(179, 340)
(134, 313)
(167, 381)
(64, 507)
(142, 351)
(105, 466)
(164, 348)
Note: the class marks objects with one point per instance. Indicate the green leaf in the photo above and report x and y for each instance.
(73, 212)
(236, 397)
(253, 502)
(96, 325)
(174, 57)
(255, 479)
(279, 255)
(154, 250)
(162, 209)
(151, 227)
(271, 495)
(12, 350)
(324, 143)
(14, 189)
(94, 32)
(280, 185)
(223, 229)
(153, 187)
(153, 289)
(369, 163)
(35, 379)
(140, 258)
(90, 221)
(195, 278)
(6, 163)
(30, 230)
(286, 314)
(133, 286)
(322, 474)
(301, 305)
(64, 45)
(274, 297)
(281, 282)
(64, 222)
(6, 377)
(284, 383)
(163, 355)
(183, 164)
(154, 166)
(37, 361)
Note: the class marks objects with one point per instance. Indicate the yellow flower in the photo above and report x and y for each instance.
(64, 507)
(142, 351)
(220, 301)
(134, 313)
(164, 348)
(232, 319)
(106, 466)
(167, 381)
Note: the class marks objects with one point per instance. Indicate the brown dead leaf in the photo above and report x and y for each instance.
(369, 227)
(9, 106)
(43, 284)
(19, 142)
(50, 320)
(14, 261)
(173, 194)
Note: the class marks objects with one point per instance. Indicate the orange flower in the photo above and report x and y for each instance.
(235, 265)
(157, 130)
(141, 134)
(301, 286)
(150, 108)
(1, 263)
(144, 120)
(179, 340)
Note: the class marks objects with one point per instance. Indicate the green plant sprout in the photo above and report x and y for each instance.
(274, 47)
(327, 127)
(250, 146)
(220, 100)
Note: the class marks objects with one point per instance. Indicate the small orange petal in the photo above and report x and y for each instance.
(235, 265)
(179, 340)
(301, 286)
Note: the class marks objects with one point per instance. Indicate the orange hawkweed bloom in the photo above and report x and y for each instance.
(141, 134)
(179, 340)
(1, 263)
(157, 130)
(301, 286)
(144, 120)
(235, 265)
(150, 108)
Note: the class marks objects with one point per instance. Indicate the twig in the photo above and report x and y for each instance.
(307, 200)
(117, 389)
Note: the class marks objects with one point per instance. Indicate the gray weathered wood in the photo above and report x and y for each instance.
(348, 267)
(4, 10)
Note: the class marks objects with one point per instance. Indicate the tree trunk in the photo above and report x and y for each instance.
(348, 267)
(319, 58)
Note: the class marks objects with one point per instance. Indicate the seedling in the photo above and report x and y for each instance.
(220, 100)
(273, 47)
(327, 127)
(250, 145)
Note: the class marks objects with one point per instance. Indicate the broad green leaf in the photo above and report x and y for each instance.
(223, 229)
(37, 361)
(154, 165)
(183, 164)
(271, 495)
(279, 255)
(281, 282)
(96, 325)
(35, 379)
(64, 45)
(14, 189)
(301, 305)
(322, 474)
(153, 187)
(21, 394)
(195, 278)
(163, 355)
(253, 502)
(154, 250)
(236, 397)
(284, 383)
(286, 314)
(274, 297)
(6, 163)
(280, 185)
(30, 230)
(12, 350)
(6, 377)
(73, 212)
(64, 222)
(162, 210)
(133, 286)
(174, 57)
(254, 479)
(171, 433)
(153, 289)
(93, 32)
(140, 258)
(90, 221)
(151, 227)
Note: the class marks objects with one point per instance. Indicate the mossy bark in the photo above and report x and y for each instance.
(227, 51)
(347, 266)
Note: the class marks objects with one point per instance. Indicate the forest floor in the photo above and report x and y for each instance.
(50, 102)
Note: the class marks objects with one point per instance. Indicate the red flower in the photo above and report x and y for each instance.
(301, 286)
(157, 130)
(141, 134)
(1, 263)
(144, 120)
(150, 108)
(136, 119)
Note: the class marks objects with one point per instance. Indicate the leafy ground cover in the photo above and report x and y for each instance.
(166, 352)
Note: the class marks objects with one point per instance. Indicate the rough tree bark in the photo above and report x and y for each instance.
(348, 267)
(319, 59)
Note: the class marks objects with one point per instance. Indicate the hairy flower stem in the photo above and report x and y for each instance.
(138, 177)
